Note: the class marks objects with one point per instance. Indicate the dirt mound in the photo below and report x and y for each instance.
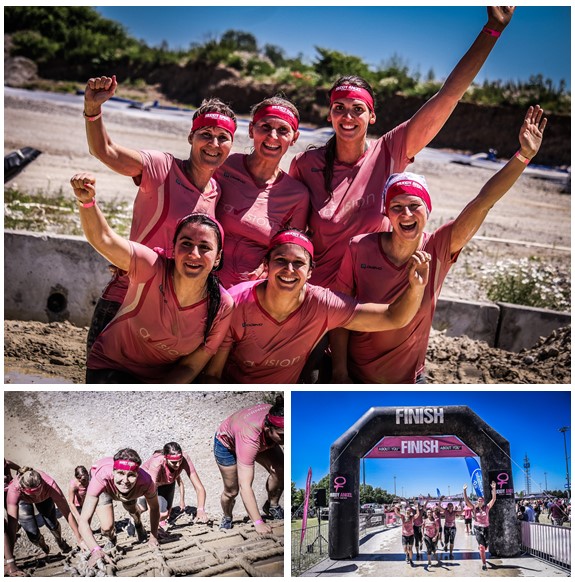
(57, 350)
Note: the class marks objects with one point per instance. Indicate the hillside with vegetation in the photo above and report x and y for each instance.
(69, 44)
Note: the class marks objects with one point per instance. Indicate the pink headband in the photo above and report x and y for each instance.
(184, 218)
(277, 111)
(214, 120)
(125, 465)
(277, 421)
(293, 237)
(174, 457)
(410, 187)
(32, 490)
(352, 92)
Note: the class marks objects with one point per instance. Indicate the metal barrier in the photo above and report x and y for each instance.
(313, 548)
(551, 543)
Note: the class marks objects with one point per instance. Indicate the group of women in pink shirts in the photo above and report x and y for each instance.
(423, 525)
(249, 436)
(335, 248)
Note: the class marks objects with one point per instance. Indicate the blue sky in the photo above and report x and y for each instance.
(528, 420)
(538, 40)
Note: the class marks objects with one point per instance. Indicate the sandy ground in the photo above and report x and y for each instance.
(57, 430)
(533, 219)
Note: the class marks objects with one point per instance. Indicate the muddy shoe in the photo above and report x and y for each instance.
(226, 522)
(43, 545)
(275, 512)
(141, 533)
(64, 547)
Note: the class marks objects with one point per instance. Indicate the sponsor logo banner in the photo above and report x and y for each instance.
(414, 447)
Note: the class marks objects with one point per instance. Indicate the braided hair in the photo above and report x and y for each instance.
(330, 146)
(212, 283)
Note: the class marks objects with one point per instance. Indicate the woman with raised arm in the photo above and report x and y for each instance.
(174, 315)
(407, 530)
(258, 198)
(278, 321)
(376, 266)
(480, 513)
(449, 528)
(168, 188)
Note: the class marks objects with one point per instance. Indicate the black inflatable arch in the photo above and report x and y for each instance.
(460, 421)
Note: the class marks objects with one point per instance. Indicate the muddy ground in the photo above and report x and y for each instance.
(533, 220)
(55, 431)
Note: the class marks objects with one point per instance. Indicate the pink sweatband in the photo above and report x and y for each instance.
(32, 490)
(174, 457)
(277, 421)
(491, 32)
(92, 117)
(352, 92)
(97, 548)
(293, 237)
(125, 465)
(277, 111)
(220, 227)
(89, 204)
(410, 187)
(214, 120)
(258, 521)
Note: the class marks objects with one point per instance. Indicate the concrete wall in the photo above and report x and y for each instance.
(56, 278)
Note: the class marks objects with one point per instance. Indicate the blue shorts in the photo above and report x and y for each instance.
(223, 455)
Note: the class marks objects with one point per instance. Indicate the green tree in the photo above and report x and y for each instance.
(331, 64)
(238, 40)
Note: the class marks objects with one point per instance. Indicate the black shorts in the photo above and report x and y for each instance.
(417, 533)
(430, 544)
(468, 520)
(482, 535)
(407, 540)
(449, 534)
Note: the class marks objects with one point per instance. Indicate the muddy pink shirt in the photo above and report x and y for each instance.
(243, 433)
(467, 513)
(264, 350)
(156, 466)
(406, 526)
(102, 481)
(450, 518)
(481, 516)
(79, 492)
(430, 528)
(396, 356)
(48, 489)
(355, 206)
(165, 195)
(151, 331)
(418, 521)
(251, 215)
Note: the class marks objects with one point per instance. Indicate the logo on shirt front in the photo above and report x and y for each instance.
(228, 175)
(364, 266)
(245, 324)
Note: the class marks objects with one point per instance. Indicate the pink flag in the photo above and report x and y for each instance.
(305, 507)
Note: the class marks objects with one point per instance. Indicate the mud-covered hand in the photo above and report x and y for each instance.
(419, 269)
(84, 186)
(96, 555)
(531, 133)
(263, 528)
(201, 516)
(98, 91)
(498, 17)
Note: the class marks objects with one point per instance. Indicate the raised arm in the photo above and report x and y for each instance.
(465, 498)
(429, 120)
(98, 232)
(382, 317)
(120, 159)
(493, 495)
(473, 215)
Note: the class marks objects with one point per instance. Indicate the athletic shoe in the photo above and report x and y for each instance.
(484, 567)
(43, 545)
(64, 547)
(411, 563)
(407, 559)
(276, 512)
(226, 522)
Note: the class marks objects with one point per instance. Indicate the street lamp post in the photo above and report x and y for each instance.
(394, 489)
(564, 430)
(545, 480)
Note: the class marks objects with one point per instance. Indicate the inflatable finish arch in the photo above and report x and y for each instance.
(460, 421)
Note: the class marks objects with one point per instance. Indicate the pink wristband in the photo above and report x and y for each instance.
(89, 204)
(258, 522)
(96, 549)
(491, 32)
(93, 117)
(521, 157)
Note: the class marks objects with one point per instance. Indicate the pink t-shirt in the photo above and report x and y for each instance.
(418, 520)
(79, 492)
(251, 215)
(102, 481)
(450, 518)
(243, 433)
(467, 513)
(264, 350)
(396, 356)
(48, 489)
(355, 206)
(481, 516)
(165, 195)
(406, 526)
(151, 332)
(430, 528)
(156, 466)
